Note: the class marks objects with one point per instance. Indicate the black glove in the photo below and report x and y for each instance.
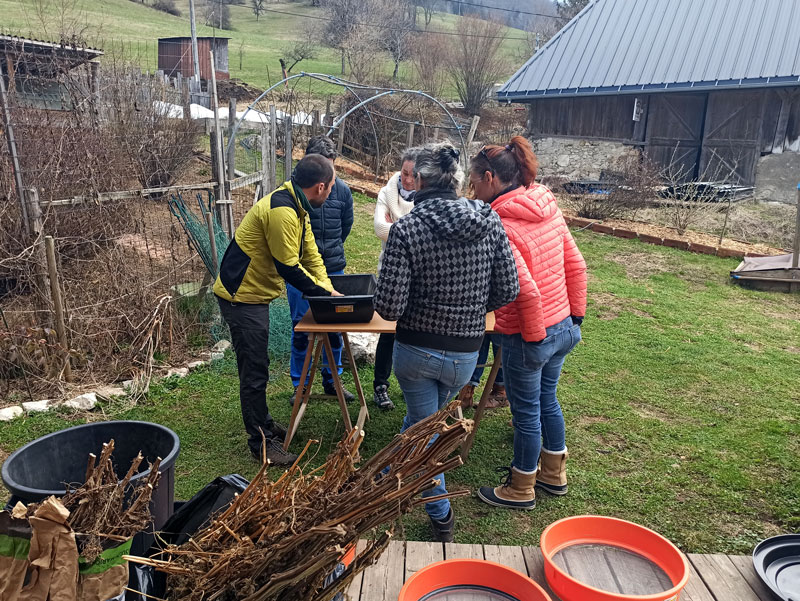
(576, 321)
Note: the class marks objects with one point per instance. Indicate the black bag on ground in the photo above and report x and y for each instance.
(187, 519)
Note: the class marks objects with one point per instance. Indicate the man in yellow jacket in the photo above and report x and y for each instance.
(273, 243)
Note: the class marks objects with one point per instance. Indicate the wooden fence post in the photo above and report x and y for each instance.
(473, 128)
(435, 134)
(287, 148)
(231, 158)
(212, 242)
(340, 141)
(273, 148)
(266, 163)
(58, 306)
(36, 229)
(314, 122)
(410, 141)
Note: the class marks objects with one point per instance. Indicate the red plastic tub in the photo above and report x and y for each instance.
(454, 575)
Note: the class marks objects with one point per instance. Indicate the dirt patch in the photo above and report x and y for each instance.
(650, 412)
(609, 306)
(588, 420)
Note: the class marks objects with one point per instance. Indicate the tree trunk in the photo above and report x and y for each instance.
(396, 68)
(342, 61)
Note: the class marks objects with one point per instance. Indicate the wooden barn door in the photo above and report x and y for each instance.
(675, 133)
(732, 137)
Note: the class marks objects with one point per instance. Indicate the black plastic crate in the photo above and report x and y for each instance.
(356, 306)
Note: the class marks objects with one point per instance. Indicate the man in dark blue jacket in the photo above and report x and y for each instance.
(331, 224)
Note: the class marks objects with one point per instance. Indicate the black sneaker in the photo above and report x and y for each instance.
(294, 395)
(443, 531)
(381, 398)
(275, 454)
(330, 389)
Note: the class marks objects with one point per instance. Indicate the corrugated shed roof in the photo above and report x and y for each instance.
(629, 46)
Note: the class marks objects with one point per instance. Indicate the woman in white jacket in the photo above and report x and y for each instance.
(395, 200)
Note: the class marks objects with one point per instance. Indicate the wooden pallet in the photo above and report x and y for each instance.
(714, 577)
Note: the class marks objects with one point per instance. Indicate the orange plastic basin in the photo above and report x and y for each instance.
(600, 530)
(471, 572)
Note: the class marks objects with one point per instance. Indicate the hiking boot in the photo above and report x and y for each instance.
(515, 492)
(278, 431)
(275, 454)
(466, 396)
(330, 389)
(552, 474)
(497, 397)
(381, 398)
(443, 530)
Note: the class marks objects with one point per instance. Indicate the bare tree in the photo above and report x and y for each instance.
(569, 8)
(293, 54)
(342, 21)
(476, 61)
(218, 14)
(429, 8)
(259, 7)
(428, 50)
(62, 20)
(167, 6)
(396, 38)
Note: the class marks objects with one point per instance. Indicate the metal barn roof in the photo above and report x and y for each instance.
(630, 46)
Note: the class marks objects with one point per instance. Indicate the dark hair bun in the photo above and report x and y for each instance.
(447, 156)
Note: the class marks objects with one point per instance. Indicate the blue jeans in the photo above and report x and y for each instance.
(532, 370)
(428, 379)
(298, 307)
(483, 356)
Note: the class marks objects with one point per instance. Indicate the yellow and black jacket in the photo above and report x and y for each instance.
(273, 243)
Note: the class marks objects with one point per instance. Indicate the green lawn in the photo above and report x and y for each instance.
(681, 408)
(132, 29)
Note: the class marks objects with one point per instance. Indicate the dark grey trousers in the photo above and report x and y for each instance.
(249, 326)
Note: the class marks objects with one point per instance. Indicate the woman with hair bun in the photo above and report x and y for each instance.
(445, 265)
(540, 327)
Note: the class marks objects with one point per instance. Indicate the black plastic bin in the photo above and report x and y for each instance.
(40, 468)
(356, 306)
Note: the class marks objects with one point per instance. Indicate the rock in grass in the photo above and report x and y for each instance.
(83, 402)
(221, 346)
(38, 406)
(9, 413)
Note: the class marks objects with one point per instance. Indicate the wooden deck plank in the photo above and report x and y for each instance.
(384, 579)
(534, 560)
(722, 578)
(744, 563)
(420, 555)
(695, 589)
(508, 556)
(353, 592)
(461, 551)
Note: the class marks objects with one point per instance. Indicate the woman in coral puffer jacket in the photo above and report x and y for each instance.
(541, 326)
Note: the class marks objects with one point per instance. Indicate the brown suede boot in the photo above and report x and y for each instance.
(497, 397)
(466, 396)
(516, 492)
(552, 474)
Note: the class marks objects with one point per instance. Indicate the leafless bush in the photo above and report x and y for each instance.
(773, 224)
(428, 50)
(632, 184)
(157, 145)
(476, 61)
(167, 6)
(689, 199)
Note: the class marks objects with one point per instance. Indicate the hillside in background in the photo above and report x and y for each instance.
(132, 29)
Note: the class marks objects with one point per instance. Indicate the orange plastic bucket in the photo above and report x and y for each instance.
(600, 530)
(476, 574)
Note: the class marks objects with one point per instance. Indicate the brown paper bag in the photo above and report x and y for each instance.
(15, 543)
(107, 576)
(53, 556)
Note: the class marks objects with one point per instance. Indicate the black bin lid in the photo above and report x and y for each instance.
(777, 562)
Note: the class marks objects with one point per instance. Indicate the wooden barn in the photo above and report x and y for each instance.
(175, 56)
(705, 88)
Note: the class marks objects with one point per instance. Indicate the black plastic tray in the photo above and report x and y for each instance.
(356, 306)
(777, 562)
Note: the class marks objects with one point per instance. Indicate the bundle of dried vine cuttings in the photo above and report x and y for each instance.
(278, 541)
(105, 510)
